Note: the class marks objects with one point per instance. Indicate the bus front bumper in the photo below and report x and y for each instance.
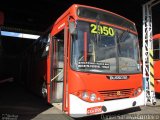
(80, 108)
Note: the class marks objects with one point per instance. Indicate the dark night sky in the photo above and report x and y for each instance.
(41, 14)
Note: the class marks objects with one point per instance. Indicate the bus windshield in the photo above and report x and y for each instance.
(104, 49)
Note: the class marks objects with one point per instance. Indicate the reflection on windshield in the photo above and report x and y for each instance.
(106, 53)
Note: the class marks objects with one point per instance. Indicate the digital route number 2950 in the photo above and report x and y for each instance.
(103, 30)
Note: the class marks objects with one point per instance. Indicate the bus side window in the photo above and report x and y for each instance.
(58, 55)
(156, 49)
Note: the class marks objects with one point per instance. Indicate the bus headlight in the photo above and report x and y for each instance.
(139, 90)
(88, 96)
(135, 93)
(93, 97)
(85, 95)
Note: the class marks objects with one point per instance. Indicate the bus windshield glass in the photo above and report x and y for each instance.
(104, 49)
(107, 17)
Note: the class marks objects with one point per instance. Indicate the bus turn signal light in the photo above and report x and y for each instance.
(137, 91)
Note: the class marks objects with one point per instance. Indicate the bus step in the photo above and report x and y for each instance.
(58, 105)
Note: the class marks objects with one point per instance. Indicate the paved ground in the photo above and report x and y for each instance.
(18, 103)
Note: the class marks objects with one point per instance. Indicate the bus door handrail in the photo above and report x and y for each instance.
(57, 75)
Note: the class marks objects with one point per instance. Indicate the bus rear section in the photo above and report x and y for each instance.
(156, 54)
(93, 65)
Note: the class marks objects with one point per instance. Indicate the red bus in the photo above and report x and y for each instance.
(1, 18)
(93, 62)
(156, 54)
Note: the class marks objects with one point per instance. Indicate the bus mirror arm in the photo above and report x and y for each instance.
(72, 28)
(72, 25)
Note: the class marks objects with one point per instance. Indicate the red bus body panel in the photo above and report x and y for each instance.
(157, 69)
(1, 18)
(157, 75)
(97, 82)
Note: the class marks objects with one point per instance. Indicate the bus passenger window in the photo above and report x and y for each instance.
(156, 49)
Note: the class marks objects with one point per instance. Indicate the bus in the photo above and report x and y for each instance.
(1, 18)
(92, 62)
(156, 57)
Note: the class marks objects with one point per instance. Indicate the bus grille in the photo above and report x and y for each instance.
(116, 94)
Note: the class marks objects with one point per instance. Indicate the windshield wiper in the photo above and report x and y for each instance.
(123, 35)
(120, 38)
(97, 26)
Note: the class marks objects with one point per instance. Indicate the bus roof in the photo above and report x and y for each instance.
(77, 5)
(156, 36)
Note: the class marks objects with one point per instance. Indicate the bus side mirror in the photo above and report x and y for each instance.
(72, 28)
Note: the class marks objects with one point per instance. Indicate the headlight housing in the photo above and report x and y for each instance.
(88, 96)
(85, 95)
(93, 97)
(137, 91)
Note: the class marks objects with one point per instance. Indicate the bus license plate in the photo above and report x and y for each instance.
(94, 110)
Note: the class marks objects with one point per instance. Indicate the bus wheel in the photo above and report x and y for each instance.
(44, 90)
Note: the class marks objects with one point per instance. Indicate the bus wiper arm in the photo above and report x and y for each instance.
(97, 26)
(124, 34)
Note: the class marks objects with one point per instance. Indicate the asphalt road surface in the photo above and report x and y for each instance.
(17, 103)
